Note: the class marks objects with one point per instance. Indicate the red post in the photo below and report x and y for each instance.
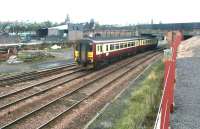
(167, 102)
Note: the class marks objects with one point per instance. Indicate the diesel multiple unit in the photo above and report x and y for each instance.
(92, 53)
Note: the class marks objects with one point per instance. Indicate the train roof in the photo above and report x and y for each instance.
(115, 40)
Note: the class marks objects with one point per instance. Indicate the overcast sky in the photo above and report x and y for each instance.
(104, 11)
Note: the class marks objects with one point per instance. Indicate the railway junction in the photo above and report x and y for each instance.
(65, 97)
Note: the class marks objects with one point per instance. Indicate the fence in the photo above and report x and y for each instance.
(167, 100)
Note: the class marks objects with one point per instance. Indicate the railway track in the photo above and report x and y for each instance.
(26, 76)
(28, 92)
(73, 97)
(50, 123)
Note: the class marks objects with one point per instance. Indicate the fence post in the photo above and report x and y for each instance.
(167, 101)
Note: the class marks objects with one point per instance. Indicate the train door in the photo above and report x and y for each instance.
(99, 49)
(83, 52)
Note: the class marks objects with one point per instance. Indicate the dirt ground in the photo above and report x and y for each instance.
(62, 57)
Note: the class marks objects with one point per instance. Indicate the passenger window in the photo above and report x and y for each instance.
(106, 47)
(116, 46)
(125, 45)
(111, 47)
(121, 45)
(100, 48)
(133, 44)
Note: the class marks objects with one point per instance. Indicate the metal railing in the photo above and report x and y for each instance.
(167, 100)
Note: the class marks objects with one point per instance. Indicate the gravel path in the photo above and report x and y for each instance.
(187, 99)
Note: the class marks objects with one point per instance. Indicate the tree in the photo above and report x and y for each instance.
(47, 24)
(92, 24)
(67, 19)
(3, 26)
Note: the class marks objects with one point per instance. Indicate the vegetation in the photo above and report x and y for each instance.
(137, 106)
(18, 27)
(143, 104)
(26, 26)
(34, 56)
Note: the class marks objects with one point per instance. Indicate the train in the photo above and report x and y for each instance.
(91, 53)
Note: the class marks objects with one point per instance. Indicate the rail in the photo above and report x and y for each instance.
(26, 76)
(167, 100)
(76, 91)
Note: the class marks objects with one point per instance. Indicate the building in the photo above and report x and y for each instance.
(69, 32)
(171, 26)
(60, 31)
(75, 32)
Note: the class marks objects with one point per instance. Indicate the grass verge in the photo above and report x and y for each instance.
(144, 101)
(137, 106)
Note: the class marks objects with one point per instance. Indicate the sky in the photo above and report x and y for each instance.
(122, 12)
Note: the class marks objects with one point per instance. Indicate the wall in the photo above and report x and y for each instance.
(75, 35)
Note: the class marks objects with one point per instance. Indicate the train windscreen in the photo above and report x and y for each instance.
(90, 48)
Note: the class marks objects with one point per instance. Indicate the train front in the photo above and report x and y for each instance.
(83, 53)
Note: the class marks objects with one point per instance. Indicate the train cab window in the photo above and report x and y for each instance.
(112, 47)
(90, 48)
(106, 47)
(77, 47)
